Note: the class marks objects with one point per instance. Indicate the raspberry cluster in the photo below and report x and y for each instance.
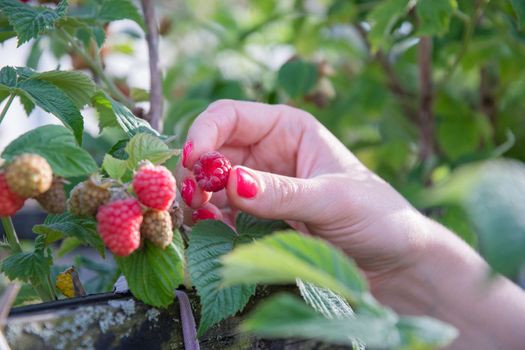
(29, 175)
(122, 219)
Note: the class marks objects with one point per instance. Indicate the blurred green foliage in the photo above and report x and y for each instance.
(359, 67)
(418, 90)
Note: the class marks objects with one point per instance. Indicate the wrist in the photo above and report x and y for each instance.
(450, 281)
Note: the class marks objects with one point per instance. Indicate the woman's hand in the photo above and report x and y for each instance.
(288, 166)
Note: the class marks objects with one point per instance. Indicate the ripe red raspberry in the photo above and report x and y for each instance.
(10, 202)
(119, 225)
(157, 227)
(29, 175)
(211, 171)
(155, 186)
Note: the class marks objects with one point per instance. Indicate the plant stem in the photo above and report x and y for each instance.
(10, 234)
(426, 115)
(152, 38)
(96, 66)
(6, 107)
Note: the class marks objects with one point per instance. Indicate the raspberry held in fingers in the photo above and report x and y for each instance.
(203, 214)
(211, 171)
(186, 150)
(187, 191)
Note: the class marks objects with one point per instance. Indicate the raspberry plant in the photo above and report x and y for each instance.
(223, 264)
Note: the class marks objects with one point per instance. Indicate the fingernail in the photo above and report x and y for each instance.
(203, 214)
(186, 150)
(246, 184)
(187, 191)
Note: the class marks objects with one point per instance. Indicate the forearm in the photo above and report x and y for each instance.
(451, 282)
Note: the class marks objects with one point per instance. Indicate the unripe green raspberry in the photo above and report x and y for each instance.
(157, 227)
(29, 175)
(53, 201)
(86, 197)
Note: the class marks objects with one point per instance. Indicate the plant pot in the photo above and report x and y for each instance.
(119, 321)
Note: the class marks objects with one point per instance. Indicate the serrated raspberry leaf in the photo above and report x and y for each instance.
(58, 146)
(115, 168)
(114, 114)
(153, 274)
(145, 146)
(29, 266)
(112, 10)
(251, 226)
(66, 225)
(209, 241)
(53, 100)
(30, 21)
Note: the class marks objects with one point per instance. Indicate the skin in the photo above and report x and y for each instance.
(307, 177)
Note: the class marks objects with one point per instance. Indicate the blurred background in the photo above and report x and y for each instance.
(431, 97)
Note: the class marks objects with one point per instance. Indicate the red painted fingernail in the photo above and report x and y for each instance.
(186, 150)
(203, 214)
(246, 184)
(187, 191)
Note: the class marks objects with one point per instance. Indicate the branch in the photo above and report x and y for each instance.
(152, 37)
(426, 116)
(394, 84)
(486, 96)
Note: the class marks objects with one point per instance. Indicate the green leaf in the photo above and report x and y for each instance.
(116, 168)
(67, 245)
(114, 114)
(434, 16)
(76, 85)
(8, 76)
(67, 225)
(249, 225)
(285, 316)
(6, 30)
(27, 266)
(495, 205)
(285, 256)
(383, 19)
(112, 10)
(148, 147)
(55, 101)
(297, 77)
(323, 300)
(58, 146)
(30, 21)
(425, 333)
(154, 273)
(209, 241)
(519, 9)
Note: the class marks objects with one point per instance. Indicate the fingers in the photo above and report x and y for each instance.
(206, 212)
(272, 196)
(237, 123)
(193, 195)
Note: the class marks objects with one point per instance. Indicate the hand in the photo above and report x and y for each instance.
(301, 173)
(288, 166)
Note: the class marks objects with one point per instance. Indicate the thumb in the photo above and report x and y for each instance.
(272, 196)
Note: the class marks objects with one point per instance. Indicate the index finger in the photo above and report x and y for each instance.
(229, 122)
